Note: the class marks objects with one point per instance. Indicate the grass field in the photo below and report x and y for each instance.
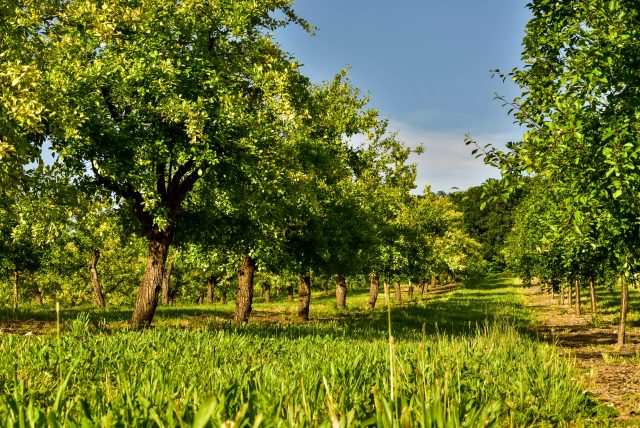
(458, 359)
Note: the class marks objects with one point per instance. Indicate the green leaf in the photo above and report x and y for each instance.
(203, 416)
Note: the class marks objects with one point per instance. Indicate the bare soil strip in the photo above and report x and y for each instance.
(611, 374)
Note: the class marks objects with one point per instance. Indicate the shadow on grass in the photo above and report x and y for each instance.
(459, 312)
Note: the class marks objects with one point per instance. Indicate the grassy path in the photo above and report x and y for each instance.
(612, 374)
(458, 359)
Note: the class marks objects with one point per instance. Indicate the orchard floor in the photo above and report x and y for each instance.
(611, 374)
(510, 350)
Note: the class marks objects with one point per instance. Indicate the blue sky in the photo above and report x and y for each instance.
(426, 65)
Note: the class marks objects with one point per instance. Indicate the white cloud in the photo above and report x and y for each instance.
(446, 162)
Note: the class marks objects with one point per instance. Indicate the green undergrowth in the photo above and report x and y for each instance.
(461, 360)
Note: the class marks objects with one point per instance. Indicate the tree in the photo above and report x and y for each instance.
(154, 96)
(579, 102)
(488, 224)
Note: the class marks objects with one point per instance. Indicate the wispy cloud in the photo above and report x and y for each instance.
(446, 162)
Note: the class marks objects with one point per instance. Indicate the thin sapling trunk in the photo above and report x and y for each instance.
(341, 292)
(98, 297)
(592, 293)
(624, 309)
(373, 290)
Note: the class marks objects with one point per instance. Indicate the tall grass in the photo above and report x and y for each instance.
(318, 374)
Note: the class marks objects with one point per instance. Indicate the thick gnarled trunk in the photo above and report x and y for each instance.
(244, 294)
(304, 297)
(98, 297)
(341, 292)
(147, 298)
(373, 290)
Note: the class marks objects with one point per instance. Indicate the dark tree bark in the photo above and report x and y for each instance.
(578, 308)
(387, 291)
(211, 288)
(16, 276)
(266, 291)
(424, 285)
(200, 298)
(290, 292)
(166, 284)
(398, 291)
(592, 293)
(244, 294)
(624, 309)
(98, 297)
(147, 298)
(325, 284)
(304, 297)
(373, 290)
(341, 292)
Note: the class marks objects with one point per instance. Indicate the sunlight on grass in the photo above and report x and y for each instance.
(460, 360)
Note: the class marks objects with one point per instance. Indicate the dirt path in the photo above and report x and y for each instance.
(612, 375)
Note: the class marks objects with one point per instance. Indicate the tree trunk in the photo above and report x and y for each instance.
(325, 284)
(624, 308)
(38, 297)
(341, 292)
(147, 298)
(244, 294)
(211, 288)
(304, 297)
(373, 290)
(200, 298)
(398, 291)
(446, 277)
(166, 284)
(423, 285)
(266, 291)
(290, 292)
(578, 308)
(16, 276)
(592, 293)
(410, 291)
(433, 281)
(387, 291)
(98, 297)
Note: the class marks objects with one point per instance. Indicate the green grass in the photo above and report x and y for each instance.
(470, 365)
